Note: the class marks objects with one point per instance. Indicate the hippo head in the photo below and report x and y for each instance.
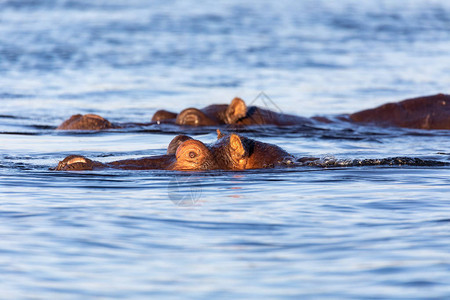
(194, 155)
(227, 153)
(194, 117)
(232, 152)
(235, 152)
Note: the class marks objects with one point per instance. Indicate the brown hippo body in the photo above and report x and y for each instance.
(229, 152)
(431, 112)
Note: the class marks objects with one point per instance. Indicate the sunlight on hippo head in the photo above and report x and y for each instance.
(193, 155)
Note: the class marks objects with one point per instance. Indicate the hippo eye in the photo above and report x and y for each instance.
(192, 154)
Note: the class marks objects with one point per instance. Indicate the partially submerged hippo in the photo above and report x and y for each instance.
(229, 152)
(431, 112)
(236, 113)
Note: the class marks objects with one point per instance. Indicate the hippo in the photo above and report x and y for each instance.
(429, 112)
(236, 113)
(230, 152)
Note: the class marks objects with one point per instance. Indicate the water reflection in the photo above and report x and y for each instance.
(185, 190)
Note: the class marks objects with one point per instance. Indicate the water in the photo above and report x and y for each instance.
(378, 232)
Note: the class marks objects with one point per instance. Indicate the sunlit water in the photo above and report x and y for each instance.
(302, 232)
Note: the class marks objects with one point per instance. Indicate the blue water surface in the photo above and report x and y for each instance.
(370, 232)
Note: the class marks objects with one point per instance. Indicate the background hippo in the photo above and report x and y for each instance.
(431, 112)
(236, 113)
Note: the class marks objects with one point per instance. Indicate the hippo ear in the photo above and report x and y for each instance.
(236, 147)
(235, 111)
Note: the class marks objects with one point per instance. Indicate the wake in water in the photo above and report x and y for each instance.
(330, 161)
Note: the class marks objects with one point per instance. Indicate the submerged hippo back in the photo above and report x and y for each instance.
(430, 112)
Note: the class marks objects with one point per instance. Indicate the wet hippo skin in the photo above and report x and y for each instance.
(430, 112)
(229, 152)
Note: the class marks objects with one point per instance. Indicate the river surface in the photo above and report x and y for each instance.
(370, 232)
